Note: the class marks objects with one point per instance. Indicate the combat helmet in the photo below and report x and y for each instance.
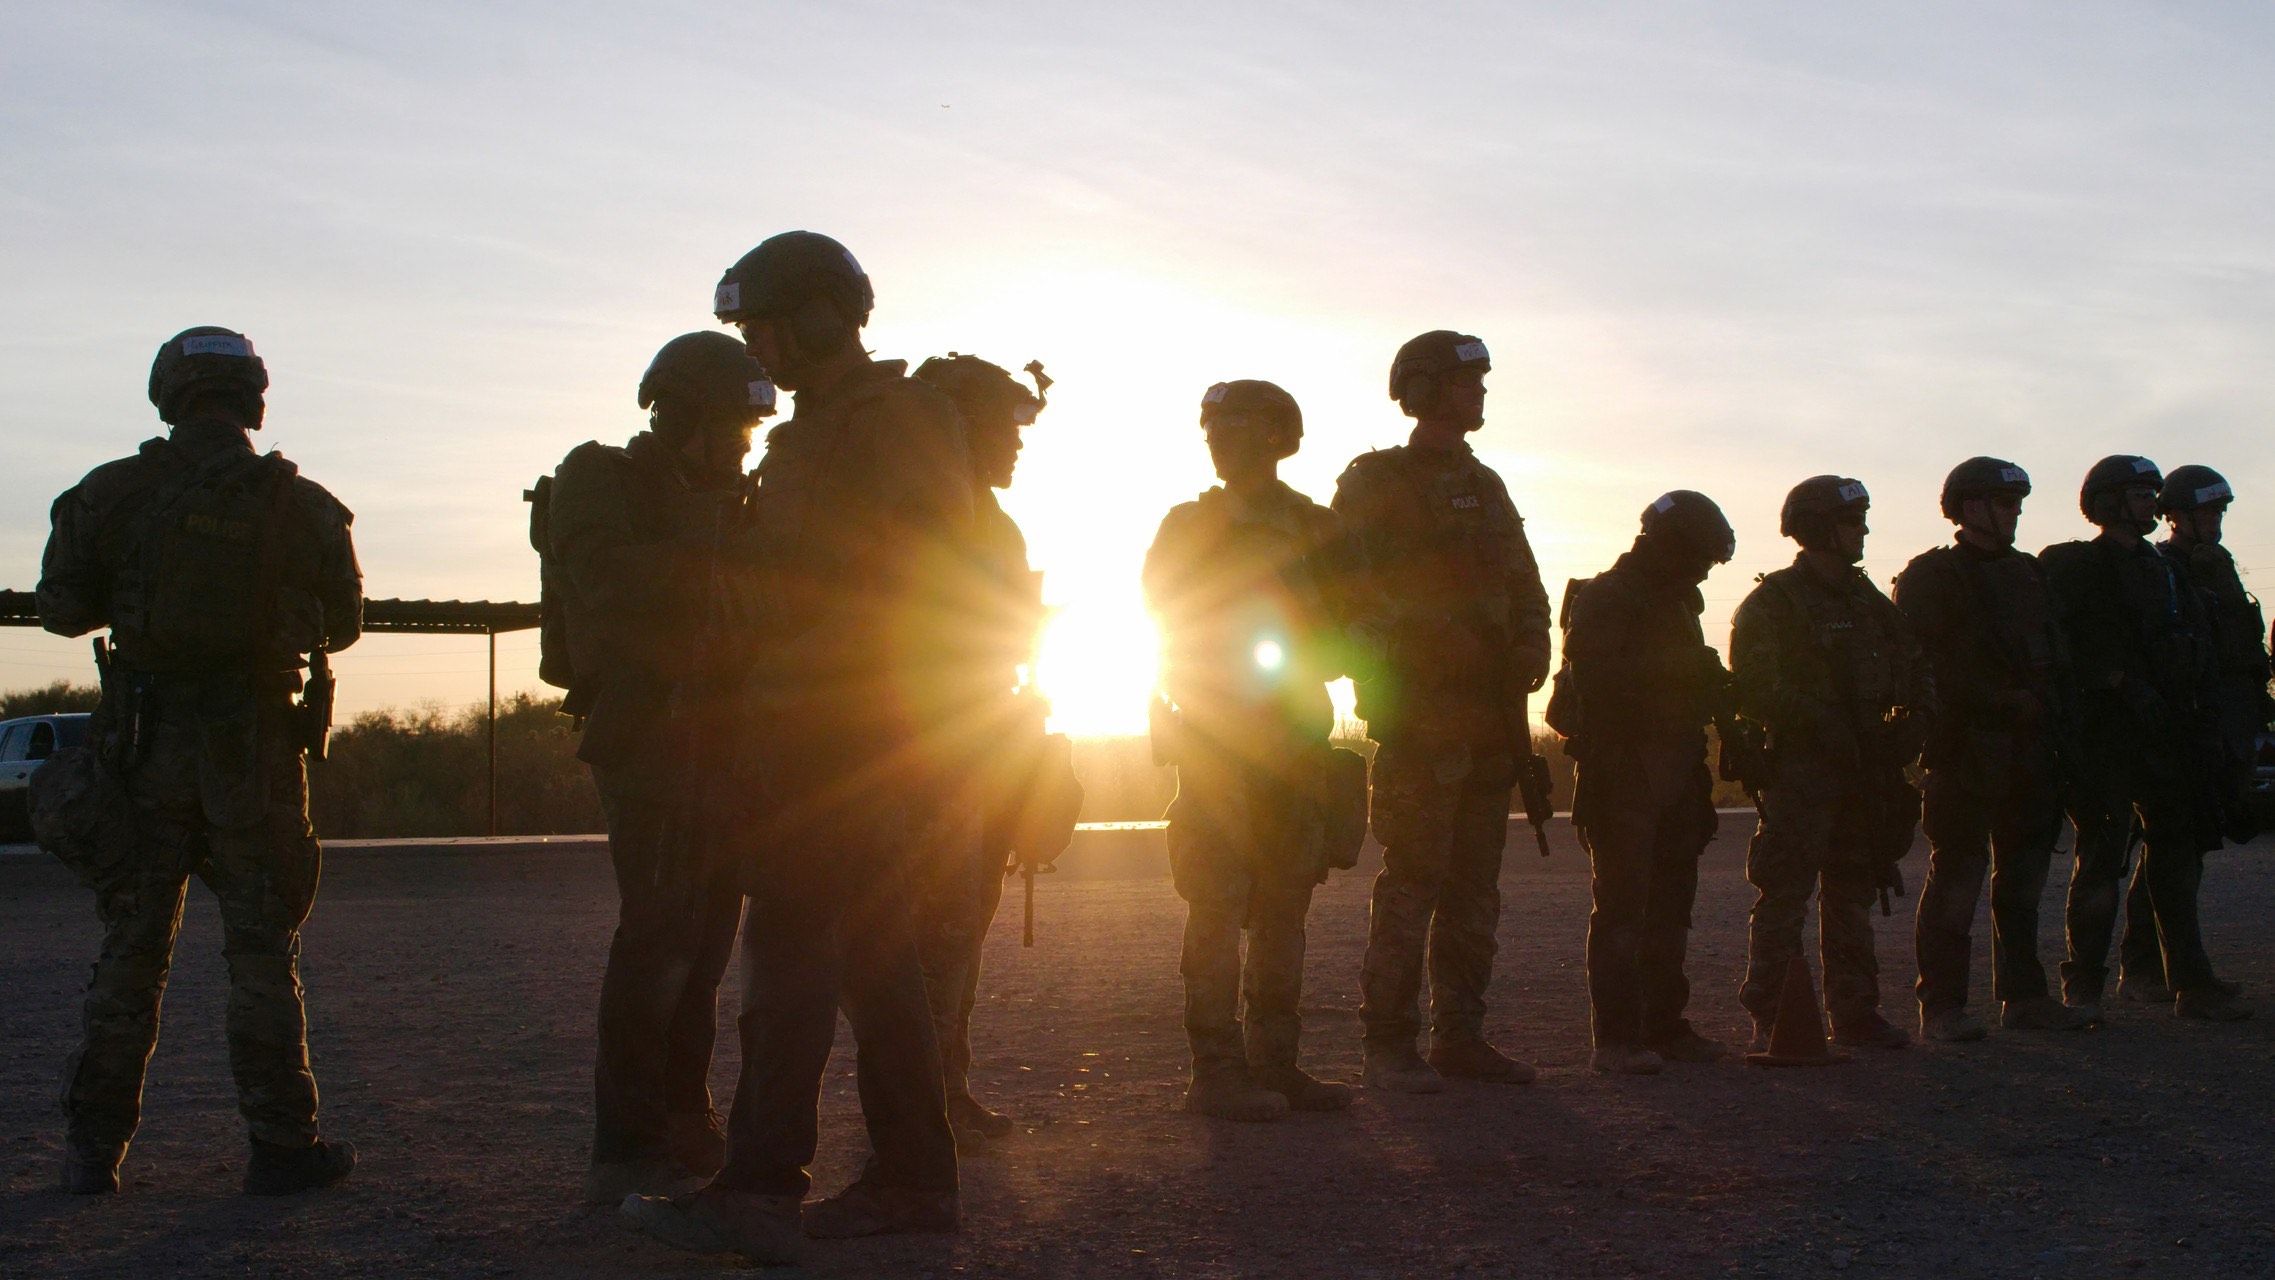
(2110, 477)
(1429, 355)
(709, 372)
(1816, 502)
(2192, 488)
(803, 277)
(1258, 398)
(985, 391)
(1981, 477)
(1691, 520)
(204, 357)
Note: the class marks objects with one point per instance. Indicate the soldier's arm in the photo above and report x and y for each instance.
(1327, 556)
(1528, 610)
(2095, 660)
(1368, 559)
(74, 588)
(1763, 639)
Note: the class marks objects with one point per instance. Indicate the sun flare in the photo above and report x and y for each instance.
(1097, 666)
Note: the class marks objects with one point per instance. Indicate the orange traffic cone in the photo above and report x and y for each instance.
(1797, 1038)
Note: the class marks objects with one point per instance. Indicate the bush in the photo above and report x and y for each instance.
(425, 772)
(47, 700)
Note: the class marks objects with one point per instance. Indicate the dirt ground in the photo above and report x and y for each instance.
(451, 995)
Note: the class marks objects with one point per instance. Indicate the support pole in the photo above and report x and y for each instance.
(493, 731)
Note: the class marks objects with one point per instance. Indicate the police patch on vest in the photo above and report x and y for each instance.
(210, 526)
(1466, 502)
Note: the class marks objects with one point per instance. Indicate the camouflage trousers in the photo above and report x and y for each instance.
(1644, 849)
(220, 794)
(675, 929)
(959, 886)
(2169, 876)
(1442, 815)
(1243, 853)
(2011, 838)
(1812, 839)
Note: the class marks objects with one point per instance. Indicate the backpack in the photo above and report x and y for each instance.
(211, 562)
(553, 663)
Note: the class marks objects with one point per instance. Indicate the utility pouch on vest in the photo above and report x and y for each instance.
(82, 813)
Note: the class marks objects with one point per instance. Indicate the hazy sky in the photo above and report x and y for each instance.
(1717, 246)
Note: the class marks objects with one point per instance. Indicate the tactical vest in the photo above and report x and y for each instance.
(1856, 658)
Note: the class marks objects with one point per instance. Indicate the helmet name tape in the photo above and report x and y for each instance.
(1023, 414)
(1469, 351)
(2013, 475)
(2214, 493)
(762, 394)
(1665, 504)
(1215, 394)
(2142, 466)
(729, 297)
(217, 344)
(1852, 492)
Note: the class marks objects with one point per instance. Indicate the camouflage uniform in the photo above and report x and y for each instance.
(1643, 802)
(863, 499)
(656, 630)
(2142, 659)
(216, 780)
(1820, 662)
(968, 844)
(1225, 575)
(1993, 792)
(1447, 593)
(2239, 713)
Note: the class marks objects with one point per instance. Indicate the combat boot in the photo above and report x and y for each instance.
(867, 1208)
(282, 1171)
(2142, 990)
(974, 1124)
(698, 1140)
(1398, 1069)
(1304, 1091)
(1477, 1060)
(1685, 1044)
(1613, 1058)
(1948, 1026)
(91, 1169)
(1875, 1032)
(2045, 1013)
(609, 1181)
(1227, 1092)
(761, 1228)
(2211, 1004)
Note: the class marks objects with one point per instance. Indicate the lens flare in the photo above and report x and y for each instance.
(1269, 655)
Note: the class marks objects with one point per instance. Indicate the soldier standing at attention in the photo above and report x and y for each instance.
(216, 568)
(1449, 601)
(1242, 582)
(1646, 685)
(2142, 666)
(1994, 756)
(997, 625)
(659, 608)
(2194, 503)
(863, 504)
(1829, 666)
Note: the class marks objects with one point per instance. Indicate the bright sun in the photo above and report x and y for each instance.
(1098, 663)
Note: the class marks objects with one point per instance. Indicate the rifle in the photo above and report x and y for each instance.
(1534, 785)
(316, 707)
(1891, 801)
(1743, 757)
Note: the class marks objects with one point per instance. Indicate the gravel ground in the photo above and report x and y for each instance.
(451, 995)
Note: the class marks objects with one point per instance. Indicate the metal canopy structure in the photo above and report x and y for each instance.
(426, 617)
